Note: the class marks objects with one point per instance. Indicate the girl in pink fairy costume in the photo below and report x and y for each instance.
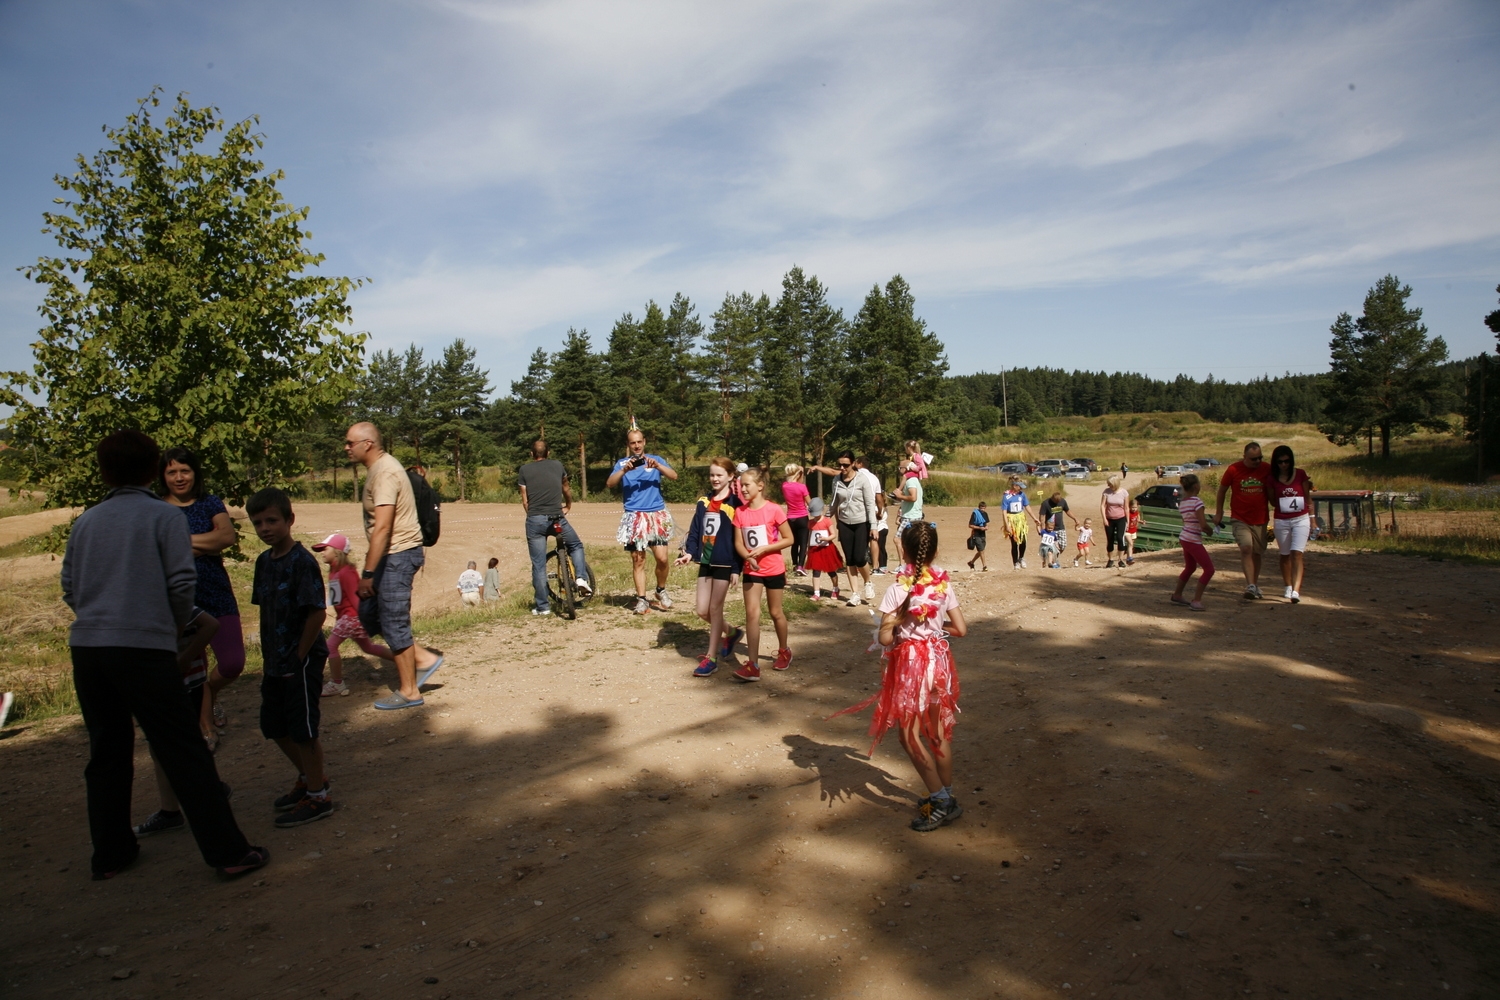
(919, 687)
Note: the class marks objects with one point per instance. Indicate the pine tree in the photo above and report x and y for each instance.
(458, 389)
(802, 365)
(575, 398)
(731, 365)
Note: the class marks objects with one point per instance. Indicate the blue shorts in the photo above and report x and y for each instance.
(388, 614)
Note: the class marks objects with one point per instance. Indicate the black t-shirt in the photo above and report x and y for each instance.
(288, 590)
(544, 482)
(1052, 513)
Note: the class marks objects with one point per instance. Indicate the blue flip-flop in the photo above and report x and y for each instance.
(427, 674)
(397, 700)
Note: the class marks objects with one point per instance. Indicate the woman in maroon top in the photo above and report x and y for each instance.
(1291, 500)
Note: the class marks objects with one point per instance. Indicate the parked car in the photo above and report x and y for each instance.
(1048, 472)
(1077, 472)
(1015, 469)
(1161, 496)
(1207, 463)
(1087, 463)
(1173, 471)
(1050, 463)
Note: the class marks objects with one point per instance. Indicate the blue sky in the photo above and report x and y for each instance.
(1164, 187)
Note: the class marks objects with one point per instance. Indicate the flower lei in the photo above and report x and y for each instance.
(928, 590)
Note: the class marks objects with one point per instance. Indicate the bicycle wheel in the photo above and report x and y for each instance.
(560, 588)
(579, 597)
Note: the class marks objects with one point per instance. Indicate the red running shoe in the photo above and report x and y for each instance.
(748, 673)
(783, 660)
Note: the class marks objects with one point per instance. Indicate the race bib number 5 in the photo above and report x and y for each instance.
(711, 524)
(1293, 505)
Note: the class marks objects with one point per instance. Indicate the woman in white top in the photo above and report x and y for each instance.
(855, 512)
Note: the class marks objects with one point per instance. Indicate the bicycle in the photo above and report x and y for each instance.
(562, 588)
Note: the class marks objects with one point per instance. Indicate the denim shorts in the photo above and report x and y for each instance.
(393, 578)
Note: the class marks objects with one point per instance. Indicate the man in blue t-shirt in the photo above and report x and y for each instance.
(646, 523)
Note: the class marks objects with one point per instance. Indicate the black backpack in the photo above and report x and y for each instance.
(429, 509)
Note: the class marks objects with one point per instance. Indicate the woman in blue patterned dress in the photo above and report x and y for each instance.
(213, 532)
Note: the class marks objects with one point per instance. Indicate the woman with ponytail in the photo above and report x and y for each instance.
(919, 687)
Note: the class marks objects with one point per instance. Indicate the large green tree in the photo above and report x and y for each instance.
(1385, 372)
(185, 304)
(893, 381)
(802, 367)
(575, 400)
(731, 365)
(459, 389)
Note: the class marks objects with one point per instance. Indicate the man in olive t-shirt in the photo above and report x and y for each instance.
(546, 496)
(395, 555)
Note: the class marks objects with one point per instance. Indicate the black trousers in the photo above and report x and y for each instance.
(116, 684)
(1114, 534)
(799, 541)
(880, 545)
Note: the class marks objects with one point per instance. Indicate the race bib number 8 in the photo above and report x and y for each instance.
(819, 539)
(1293, 505)
(755, 536)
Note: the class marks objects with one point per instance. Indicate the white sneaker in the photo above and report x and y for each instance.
(1254, 589)
(869, 593)
(1023, 563)
(663, 599)
(1296, 597)
(1016, 566)
(332, 689)
(853, 601)
(1288, 592)
(583, 587)
(540, 613)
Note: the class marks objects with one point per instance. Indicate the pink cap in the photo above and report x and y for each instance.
(334, 541)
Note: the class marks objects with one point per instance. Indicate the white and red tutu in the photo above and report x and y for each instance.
(919, 677)
(825, 559)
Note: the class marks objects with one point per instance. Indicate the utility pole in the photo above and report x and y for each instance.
(1004, 399)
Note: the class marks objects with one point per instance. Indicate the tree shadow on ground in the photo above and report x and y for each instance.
(748, 848)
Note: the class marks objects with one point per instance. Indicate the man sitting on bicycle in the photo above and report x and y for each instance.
(546, 497)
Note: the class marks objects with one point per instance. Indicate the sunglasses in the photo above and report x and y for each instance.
(845, 465)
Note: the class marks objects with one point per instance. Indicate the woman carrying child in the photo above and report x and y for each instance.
(760, 538)
(919, 686)
(822, 555)
(710, 543)
(1194, 555)
(343, 597)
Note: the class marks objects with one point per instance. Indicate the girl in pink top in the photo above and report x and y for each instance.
(918, 457)
(794, 492)
(1194, 555)
(760, 537)
(918, 693)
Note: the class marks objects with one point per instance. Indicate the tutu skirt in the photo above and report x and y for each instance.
(918, 677)
(640, 529)
(825, 559)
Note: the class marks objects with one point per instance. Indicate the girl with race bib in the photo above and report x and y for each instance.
(1291, 493)
(760, 536)
(918, 693)
(1017, 510)
(822, 555)
(710, 543)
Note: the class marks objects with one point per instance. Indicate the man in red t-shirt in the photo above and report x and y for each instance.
(1249, 509)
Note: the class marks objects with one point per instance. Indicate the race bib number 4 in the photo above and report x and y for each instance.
(1293, 505)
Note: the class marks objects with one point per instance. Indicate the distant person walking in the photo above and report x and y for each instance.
(1194, 555)
(547, 498)
(213, 532)
(1114, 514)
(979, 527)
(1291, 495)
(492, 581)
(1246, 481)
(794, 491)
(391, 564)
(470, 583)
(128, 575)
(647, 524)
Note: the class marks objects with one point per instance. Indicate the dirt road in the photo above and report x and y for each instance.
(1263, 800)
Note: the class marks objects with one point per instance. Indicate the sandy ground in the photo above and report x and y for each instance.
(1263, 800)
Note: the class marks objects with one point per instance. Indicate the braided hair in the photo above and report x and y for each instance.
(920, 542)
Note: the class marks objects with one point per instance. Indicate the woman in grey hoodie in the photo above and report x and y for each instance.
(128, 576)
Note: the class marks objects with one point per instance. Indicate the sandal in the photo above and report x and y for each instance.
(256, 858)
(1197, 606)
(212, 741)
(1180, 600)
(220, 719)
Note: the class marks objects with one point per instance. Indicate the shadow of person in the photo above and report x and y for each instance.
(688, 641)
(845, 773)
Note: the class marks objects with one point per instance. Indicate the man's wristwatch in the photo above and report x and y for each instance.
(368, 574)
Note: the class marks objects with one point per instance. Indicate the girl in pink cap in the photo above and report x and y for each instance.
(343, 586)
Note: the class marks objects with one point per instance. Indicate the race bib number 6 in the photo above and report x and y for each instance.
(1293, 505)
(755, 536)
